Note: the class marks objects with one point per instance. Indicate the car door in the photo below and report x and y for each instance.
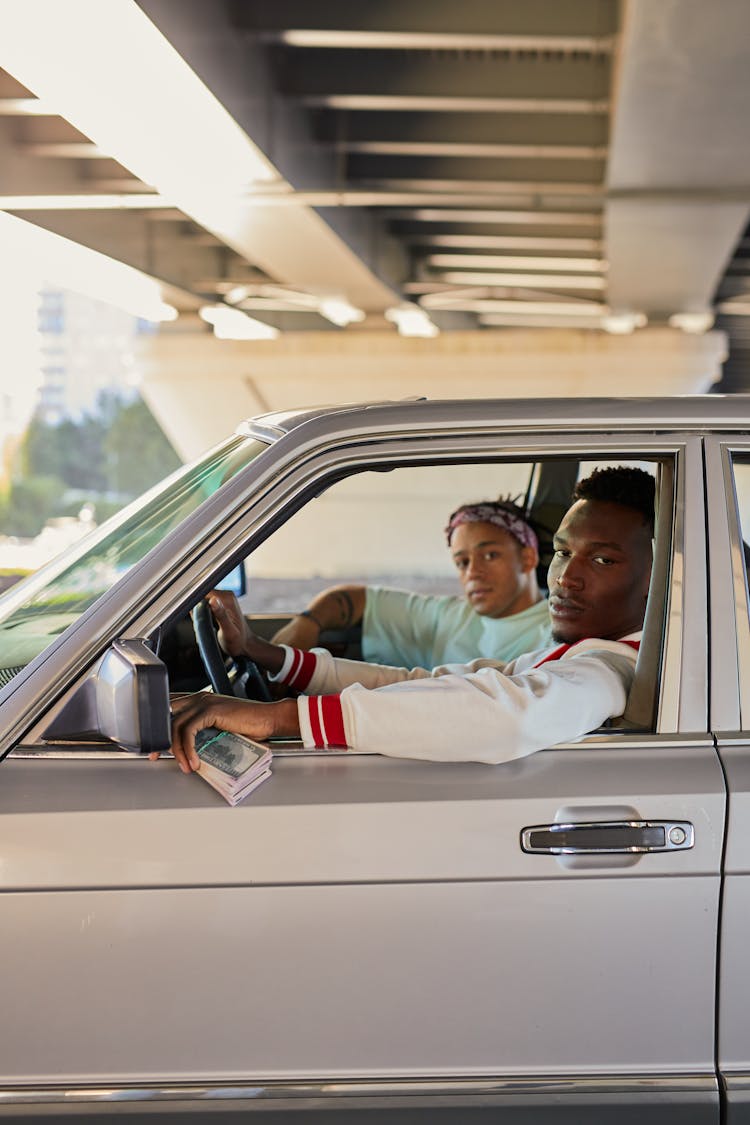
(376, 934)
(728, 492)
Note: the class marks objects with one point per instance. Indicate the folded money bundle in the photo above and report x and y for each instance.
(232, 764)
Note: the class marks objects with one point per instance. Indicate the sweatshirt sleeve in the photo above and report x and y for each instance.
(318, 672)
(480, 715)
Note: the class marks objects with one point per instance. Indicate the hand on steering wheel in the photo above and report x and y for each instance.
(248, 681)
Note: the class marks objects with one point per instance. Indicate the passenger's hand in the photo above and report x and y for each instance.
(235, 634)
(191, 713)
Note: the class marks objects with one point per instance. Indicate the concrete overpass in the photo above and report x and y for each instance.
(561, 191)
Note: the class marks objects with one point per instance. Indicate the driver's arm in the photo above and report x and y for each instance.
(339, 607)
(191, 713)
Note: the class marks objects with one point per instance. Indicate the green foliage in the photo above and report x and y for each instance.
(105, 458)
(71, 450)
(137, 453)
(29, 503)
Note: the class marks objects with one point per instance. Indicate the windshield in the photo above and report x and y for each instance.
(36, 611)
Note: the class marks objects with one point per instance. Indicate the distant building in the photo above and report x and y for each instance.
(87, 347)
(59, 351)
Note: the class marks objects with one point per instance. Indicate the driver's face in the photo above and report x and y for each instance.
(599, 575)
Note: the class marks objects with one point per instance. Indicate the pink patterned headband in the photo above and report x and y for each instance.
(493, 513)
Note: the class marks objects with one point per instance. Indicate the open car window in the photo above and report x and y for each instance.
(385, 524)
(387, 529)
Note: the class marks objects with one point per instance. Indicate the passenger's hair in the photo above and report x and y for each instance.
(508, 504)
(503, 512)
(617, 484)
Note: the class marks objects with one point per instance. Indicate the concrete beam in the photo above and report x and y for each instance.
(680, 126)
(347, 252)
(310, 368)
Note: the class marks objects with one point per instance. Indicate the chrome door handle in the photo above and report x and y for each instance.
(608, 837)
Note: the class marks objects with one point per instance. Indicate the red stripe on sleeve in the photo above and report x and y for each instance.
(305, 674)
(302, 670)
(313, 710)
(333, 720)
(296, 661)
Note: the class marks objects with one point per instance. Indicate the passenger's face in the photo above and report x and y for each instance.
(493, 568)
(599, 575)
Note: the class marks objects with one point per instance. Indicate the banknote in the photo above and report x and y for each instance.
(231, 764)
(231, 753)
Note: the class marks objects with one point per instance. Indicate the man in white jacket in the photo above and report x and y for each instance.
(485, 711)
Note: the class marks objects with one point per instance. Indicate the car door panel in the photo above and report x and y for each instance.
(359, 917)
(373, 928)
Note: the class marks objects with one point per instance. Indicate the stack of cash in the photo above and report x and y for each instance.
(232, 764)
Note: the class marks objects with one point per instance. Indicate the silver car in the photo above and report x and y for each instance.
(560, 938)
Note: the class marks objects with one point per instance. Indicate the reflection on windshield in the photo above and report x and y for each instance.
(34, 612)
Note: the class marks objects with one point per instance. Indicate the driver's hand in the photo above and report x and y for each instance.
(191, 713)
(235, 634)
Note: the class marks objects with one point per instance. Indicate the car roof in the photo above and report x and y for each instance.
(688, 412)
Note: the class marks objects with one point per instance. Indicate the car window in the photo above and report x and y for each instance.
(36, 611)
(740, 557)
(387, 526)
(377, 528)
(387, 529)
(742, 489)
(741, 471)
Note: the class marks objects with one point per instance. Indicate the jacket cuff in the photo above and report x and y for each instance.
(321, 722)
(297, 670)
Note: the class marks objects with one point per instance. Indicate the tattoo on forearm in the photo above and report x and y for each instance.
(345, 607)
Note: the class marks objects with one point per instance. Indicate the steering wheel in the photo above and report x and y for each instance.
(249, 682)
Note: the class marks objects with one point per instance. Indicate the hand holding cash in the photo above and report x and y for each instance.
(232, 764)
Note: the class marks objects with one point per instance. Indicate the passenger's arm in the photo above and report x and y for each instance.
(340, 607)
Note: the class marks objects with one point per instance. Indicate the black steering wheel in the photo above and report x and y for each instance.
(248, 681)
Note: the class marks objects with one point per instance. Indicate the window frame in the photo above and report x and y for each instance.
(679, 706)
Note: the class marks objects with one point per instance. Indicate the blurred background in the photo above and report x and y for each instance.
(211, 209)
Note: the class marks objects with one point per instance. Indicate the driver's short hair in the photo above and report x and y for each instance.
(618, 484)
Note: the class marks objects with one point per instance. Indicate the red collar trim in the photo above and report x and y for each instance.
(557, 653)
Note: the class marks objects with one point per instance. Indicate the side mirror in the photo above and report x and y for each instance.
(124, 699)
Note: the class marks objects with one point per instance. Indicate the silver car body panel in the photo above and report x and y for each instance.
(370, 929)
(325, 903)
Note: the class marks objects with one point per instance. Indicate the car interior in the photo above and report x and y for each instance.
(285, 562)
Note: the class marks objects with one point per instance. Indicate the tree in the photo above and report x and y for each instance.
(71, 450)
(137, 452)
(28, 505)
(117, 449)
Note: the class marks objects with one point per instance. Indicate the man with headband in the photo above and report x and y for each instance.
(501, 614)
(487, 710)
